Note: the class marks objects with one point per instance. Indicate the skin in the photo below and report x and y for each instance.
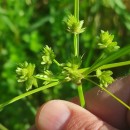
(102, 111)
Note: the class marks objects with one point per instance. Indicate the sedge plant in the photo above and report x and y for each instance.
(71, 70)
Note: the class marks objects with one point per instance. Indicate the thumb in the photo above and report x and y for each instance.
(63, 115)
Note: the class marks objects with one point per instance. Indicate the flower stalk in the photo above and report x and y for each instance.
(81, 96)
(28, 93)
(111, 94)
(76, 36)
(76, 52)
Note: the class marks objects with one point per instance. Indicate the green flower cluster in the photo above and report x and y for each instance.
(106, 42)
(104, 77)
(74, 25)
(25, 73)
(71, 70)
(48, 57)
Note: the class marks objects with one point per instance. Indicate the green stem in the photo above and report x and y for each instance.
(27, 94)
(76, 46)
(76, 9)
(81, 96)
(76, 36)
(3, 127)
(110, 58)
(108, 66)
(76, 51)
(111, 94)
(56, 62)
(99, 59)
(119, 100)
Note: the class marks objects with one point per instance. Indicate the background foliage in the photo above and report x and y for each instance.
(27, 25)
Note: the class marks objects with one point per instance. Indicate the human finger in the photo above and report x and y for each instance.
(63, 115)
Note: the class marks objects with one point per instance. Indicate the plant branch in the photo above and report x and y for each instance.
(76, 9)
(76, 36)
(27, 94)
(76, 51)
(108, 66)
(111, 94)
(56, 62)
(110, 58)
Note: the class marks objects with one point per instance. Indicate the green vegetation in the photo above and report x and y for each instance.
(27, 26)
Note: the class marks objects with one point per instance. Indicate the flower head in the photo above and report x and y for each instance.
(71, 70)
(106, 42)
(48, 57)
(104, 77)
(74, 25)
(25, 73)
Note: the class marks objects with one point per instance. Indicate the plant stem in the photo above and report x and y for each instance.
(108, 66)
(3, 127)
(27, 94)
(81, 96)
(119, 100)
(110, 58)
(111, 94)
(76, 9)
(76, 36)
(76, 46)
(56, 62)
(76, 51)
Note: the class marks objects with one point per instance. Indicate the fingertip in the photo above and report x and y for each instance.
(52, 115)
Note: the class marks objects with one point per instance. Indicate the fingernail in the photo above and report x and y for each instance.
(53, 116)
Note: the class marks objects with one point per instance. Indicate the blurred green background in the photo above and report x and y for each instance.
(27, 25)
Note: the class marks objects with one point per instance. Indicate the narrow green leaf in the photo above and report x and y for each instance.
(3, 127)
(113, 65)
(111, 94)
(110, 58)
(27, 94)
